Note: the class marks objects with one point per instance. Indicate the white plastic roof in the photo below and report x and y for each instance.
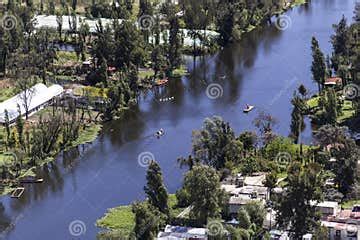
(39, 94)
(51, 22)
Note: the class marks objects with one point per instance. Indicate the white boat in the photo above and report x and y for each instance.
(248, 109)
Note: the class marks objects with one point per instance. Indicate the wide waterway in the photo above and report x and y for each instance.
(263, 69)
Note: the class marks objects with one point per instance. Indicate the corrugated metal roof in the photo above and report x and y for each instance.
(37, 95)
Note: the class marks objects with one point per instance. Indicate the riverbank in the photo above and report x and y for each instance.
(120, 221)
(87, 134)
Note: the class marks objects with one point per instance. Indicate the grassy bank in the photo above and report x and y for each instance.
(87, 133)
(120, 221)
(347, 110)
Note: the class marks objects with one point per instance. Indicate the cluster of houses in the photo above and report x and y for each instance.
(341, 224)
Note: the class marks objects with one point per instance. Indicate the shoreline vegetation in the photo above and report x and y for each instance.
(120, 221)
(108, 81)
(112, 63)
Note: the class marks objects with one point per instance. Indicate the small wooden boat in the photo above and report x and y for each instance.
(248, 109)
(38, 180)
(161, 82)
(18, 192)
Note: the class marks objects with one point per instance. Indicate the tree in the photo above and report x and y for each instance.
(346, 153)
(59, 21)
(210, 143)
(148, 221)
(25, 84)
(155, 189)
(243, 218)
(265, 123)
(205, 195)
(340, 43)
(331, 107)
(303, 91)
(294, 209)
(190, 162)
(158, 60)
(297, 124)
(174, 48)
(20, 128)
(318, 67)
(271, 181)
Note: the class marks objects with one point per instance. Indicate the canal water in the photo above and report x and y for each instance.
(263, 70)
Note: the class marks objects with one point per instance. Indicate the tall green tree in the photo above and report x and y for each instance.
(155, 188)
(210, 143)
(318, 67)
(294, 209)
(206, 197)
(148, 221)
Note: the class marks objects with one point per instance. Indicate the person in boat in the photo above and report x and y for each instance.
(247, 106)
(160, 133)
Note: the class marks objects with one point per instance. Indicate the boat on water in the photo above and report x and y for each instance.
(248, 108)
(161, 82)
(160, 133)
(32, 180)
(18, 192)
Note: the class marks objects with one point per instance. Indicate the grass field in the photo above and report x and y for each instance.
(121, 219)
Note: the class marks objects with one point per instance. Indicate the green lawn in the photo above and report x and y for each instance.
(347, 108)
(87, 135)
(313, 102)
(121, 219)
(350, 204)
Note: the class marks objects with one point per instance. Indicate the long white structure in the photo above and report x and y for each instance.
(50, 21)
(38, 96)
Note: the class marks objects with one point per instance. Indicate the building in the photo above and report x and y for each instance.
(38, 97)
(333, 81)
(183, 233)
(243, 190)
(327, 208)
(344, 225)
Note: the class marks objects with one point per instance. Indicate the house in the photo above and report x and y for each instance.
(38, 97)
(243, 190)
(327, 208)
(333, 82)
(183, 233)
(344, 225)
